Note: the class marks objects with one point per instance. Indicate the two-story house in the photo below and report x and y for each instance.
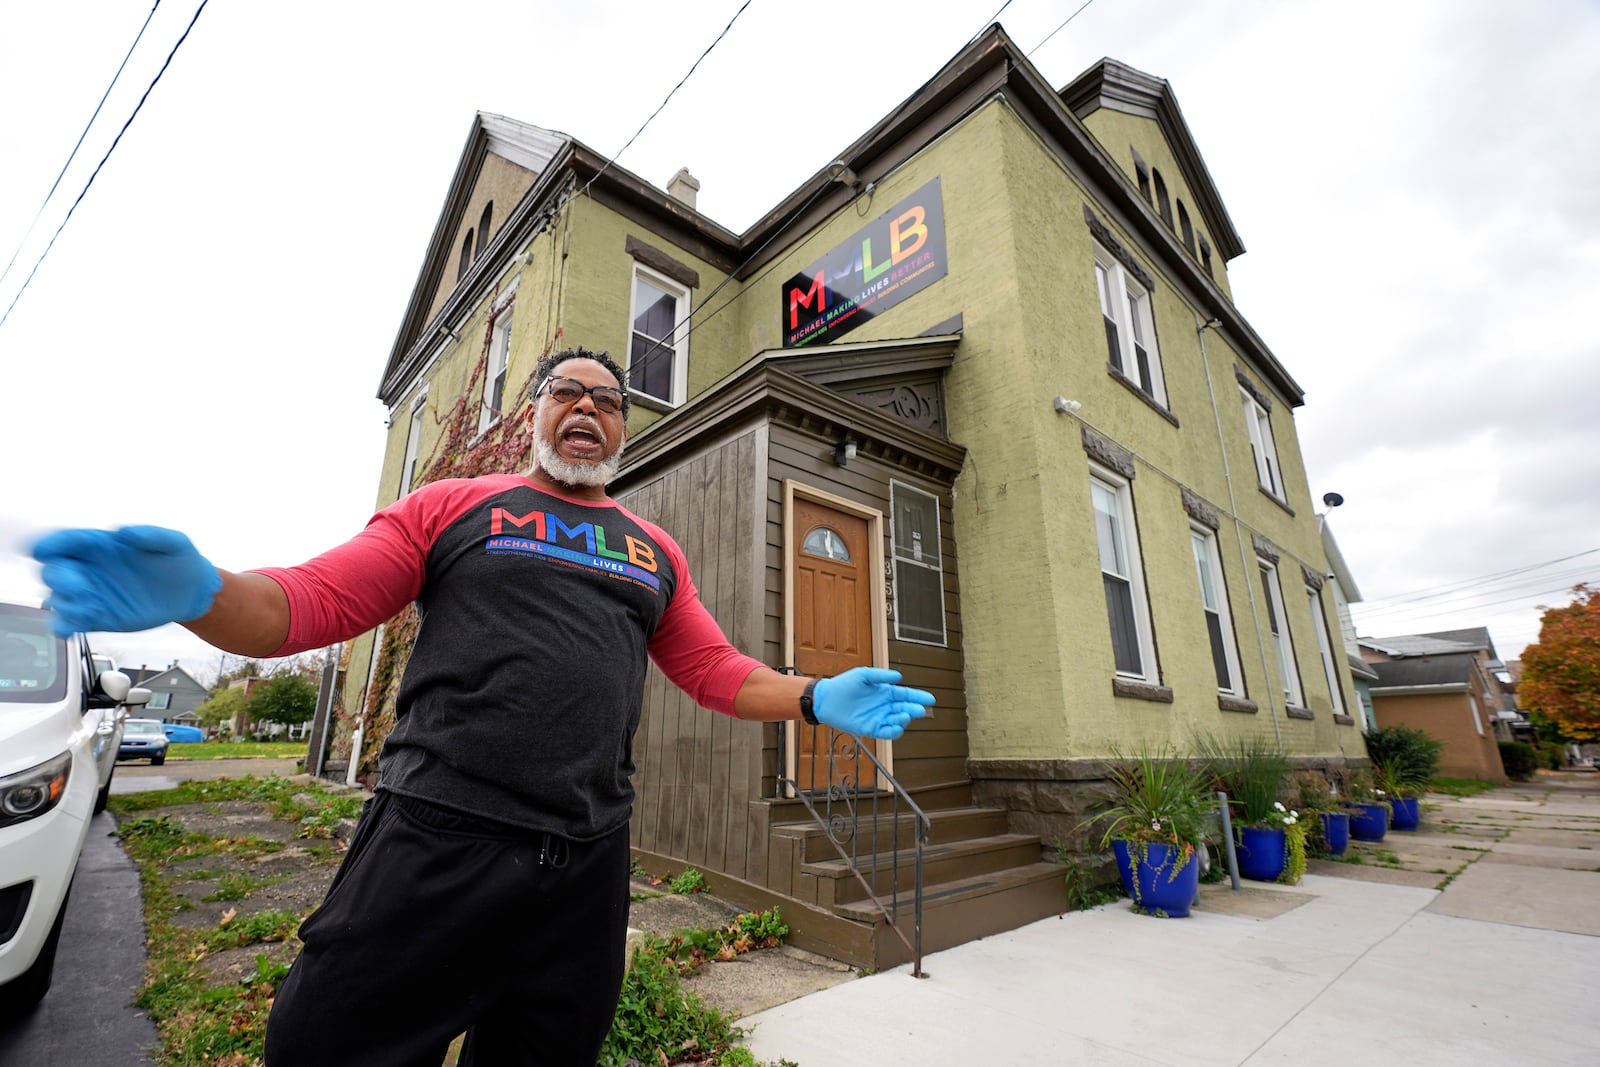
(974, 402)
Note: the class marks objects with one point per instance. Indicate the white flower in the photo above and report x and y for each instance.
(1294, 814)
(1290, 821)
(1279, 806)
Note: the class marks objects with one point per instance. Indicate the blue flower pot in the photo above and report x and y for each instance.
(1157, 883)
(1369, 822)
(1336, 831)
(1407, 812)
(1263, 853)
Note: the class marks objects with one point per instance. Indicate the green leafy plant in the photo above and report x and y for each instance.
(1154, 799)
(1518, 759)
(1403, 759)
(1250, 772)
(690, 881)
(657, 1020)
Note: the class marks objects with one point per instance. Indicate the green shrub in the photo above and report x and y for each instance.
(1251, 772)
(1552, 757)
(1519, 759)
(1403, 758)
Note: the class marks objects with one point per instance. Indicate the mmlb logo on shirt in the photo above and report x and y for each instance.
(544, 533)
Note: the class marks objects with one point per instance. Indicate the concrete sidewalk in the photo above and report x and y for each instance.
(1496, 969)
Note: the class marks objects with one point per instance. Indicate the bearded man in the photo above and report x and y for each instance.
(485, 890)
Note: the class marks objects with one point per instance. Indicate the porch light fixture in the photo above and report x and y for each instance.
(839, 171)
(844, 452)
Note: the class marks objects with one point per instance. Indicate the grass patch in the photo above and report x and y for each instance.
(237, 750)
(234, 885)
(1459, 787)
(317, 811)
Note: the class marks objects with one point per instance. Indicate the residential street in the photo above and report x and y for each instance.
(1362, 964)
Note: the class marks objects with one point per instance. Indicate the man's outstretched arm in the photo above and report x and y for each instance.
(866, 701)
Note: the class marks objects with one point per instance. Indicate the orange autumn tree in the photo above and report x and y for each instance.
(1561, 674)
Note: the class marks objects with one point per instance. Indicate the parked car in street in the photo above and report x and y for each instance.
(143, 739)
(178, 733)
(61, 723)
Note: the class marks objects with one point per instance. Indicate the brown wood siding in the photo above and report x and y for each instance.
(934, 750)
(694, 768)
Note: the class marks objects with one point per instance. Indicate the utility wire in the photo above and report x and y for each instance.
(1059, 28)
(1464, 608)
(669, 96)
(103, 159)
(74, 153)
(1449, 588)
(1476, 607)
(1513, 588)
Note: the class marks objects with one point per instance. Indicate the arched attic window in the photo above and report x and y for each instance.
(1186, 228)
(466, 257)
(1163, 205)
(1205, 254)
(483, 228)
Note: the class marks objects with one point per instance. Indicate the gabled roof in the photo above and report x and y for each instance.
(1478, 637)
(1360, 667)
(1119, 87)
(173, 677)
(1402, 646)
(1449, 671)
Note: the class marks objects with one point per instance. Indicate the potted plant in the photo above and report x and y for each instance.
(1270, 839)
(1404, 761)
(1369, 807)
(1155, 817)
(1327, 822)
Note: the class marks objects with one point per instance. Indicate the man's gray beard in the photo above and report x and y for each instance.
(577, 474)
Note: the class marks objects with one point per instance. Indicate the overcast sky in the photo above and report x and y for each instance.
(1416, 183)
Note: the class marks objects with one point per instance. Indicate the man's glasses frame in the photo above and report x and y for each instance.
(607, 398)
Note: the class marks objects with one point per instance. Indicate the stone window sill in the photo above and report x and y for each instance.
(1126, 687)
(1298, 713)
(1227, 703)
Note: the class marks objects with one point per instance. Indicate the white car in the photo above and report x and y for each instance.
(60, 725)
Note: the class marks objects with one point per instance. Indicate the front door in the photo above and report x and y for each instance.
(832, 633)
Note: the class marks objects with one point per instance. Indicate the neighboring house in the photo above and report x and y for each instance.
(1445, 685)
(973, 402)
(174, 694)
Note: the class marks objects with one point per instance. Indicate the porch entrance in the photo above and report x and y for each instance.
(831, 560)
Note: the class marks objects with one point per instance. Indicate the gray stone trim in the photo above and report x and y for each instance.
(1249, 385)
(1199, 510)
(1344, 720)
(1104, 452)
(1298, 713)
(1123, 687)
(657, 260)
(1039, 770)
(1265, 549)
(1313, 579)
(1228, 703)
(1102, 233)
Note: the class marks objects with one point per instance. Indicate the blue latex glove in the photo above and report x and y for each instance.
(123, 580)
(866, 701)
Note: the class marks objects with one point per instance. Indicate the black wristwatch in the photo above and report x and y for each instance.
(806, 696)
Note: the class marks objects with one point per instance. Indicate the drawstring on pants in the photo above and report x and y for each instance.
(554, 852)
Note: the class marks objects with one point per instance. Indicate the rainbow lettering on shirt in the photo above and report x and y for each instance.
(544, 533)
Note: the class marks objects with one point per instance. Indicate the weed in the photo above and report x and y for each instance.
(233, 885)
(261, 927)
(690, 881)
(635, 869)
(1083, 892)
(657, 1020)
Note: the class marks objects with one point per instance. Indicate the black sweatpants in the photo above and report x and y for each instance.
(438, 923)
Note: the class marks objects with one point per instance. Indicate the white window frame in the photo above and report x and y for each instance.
(1125, 535)
(1287, 664)
(1127, 304)
(497, 368)
(1208, 570)
(1319, 623)
(912, 556)
(1477, 714)
(408, 462)
(1263, 447)
(679, 339)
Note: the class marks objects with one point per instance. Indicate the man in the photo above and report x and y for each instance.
(486, 888)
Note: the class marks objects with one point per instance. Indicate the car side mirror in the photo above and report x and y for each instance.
(137, 697)
(113, 686)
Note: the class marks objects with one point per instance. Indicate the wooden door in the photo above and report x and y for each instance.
(832, 633)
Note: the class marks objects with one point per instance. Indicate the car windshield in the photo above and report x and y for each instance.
(135, 727)
(33, 660)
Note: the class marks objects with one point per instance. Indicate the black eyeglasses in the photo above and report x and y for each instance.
(570, 391)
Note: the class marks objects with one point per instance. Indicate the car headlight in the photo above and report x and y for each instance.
(29, 794)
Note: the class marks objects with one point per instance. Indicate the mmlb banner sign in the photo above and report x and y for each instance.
(896, 256)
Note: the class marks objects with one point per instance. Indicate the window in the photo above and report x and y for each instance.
(1126, 608)
(1141, 171)
(1319, 622)
(466, 257)
(159, 701)
(1186, 227)
(658, 345)
(483, 229)
(1163, 205)
(1477, 716)
(1278, 625)
(1130, 327)
(918, 570)
(1214, 600)
(1205, 254)
(494, 374)
(826, 543)
(1262, 446)
(408, 465)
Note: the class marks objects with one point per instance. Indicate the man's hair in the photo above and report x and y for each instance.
(549, 363)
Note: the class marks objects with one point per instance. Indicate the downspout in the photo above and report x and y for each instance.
(1233, 506)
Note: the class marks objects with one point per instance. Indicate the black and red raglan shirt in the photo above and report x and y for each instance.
(526, 682)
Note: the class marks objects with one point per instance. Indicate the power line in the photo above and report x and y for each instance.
(669, 96)
(74, 153)
(102, 163)
(1059, 28)
(1470, 608)
(1424, 592)
(1496, 588)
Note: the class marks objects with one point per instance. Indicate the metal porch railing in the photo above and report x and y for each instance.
(843, 809)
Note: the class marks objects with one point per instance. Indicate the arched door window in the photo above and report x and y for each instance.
(825, 542)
